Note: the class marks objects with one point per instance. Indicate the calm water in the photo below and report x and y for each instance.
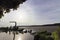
(26, 36)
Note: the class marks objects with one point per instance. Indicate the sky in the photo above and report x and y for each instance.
(34, 12)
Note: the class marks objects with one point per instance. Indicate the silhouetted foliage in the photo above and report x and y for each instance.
(6, 5)
(56, 34)
(50, 38)
(43, 36)
(36, 37)
(11, 29)
(58, 31)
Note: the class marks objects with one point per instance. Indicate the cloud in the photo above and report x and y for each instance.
(46, 11)
(35, 12)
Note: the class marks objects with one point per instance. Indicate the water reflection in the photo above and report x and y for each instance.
(4, 36)
(25, 36)
(19, 38)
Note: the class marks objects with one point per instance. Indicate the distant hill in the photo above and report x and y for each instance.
(55, 24)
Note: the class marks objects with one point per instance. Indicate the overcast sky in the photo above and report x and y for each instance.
(34, 12)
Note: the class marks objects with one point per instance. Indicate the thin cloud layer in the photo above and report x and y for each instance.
(36, 12)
